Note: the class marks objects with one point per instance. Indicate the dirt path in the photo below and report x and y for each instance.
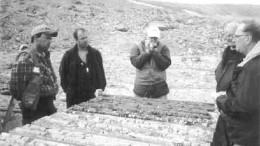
(144, 4)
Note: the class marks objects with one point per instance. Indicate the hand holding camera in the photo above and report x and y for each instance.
(152, 46)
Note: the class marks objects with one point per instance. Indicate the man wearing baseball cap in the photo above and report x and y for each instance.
(35, 60)
(151, 58)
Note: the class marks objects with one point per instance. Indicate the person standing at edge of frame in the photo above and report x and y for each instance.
(240, 104)
(81, 71)
(151, 58)
(223, 74)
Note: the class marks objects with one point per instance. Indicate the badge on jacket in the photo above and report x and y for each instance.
(36, 70)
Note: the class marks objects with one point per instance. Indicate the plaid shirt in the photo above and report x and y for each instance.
(22, 73)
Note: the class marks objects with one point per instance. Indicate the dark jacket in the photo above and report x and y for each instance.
(242, 107)
(226, 66)
(68, 71)
(224, 75)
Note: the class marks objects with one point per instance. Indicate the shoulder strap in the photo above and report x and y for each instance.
(20, 53)
(32, 57)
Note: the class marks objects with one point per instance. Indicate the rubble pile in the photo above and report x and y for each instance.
(181, 112)
(117, 121)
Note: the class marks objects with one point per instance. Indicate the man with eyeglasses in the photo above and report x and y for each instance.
(240, 106)
(151, 58)
(35, 60)
(82, 75)
(223, 73)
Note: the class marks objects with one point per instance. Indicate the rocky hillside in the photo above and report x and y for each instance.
(115, 23)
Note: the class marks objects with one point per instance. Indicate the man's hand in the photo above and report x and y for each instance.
(216, 95)
(220, 100)
(152, 46)
(98, 92)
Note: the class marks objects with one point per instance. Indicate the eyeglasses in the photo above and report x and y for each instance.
(238, 36)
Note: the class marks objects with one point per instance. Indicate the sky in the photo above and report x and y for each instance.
(251, 2)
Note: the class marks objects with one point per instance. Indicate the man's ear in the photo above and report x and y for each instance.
(248, 39)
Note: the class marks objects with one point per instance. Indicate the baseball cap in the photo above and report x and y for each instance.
(153, 31)
(44, 29)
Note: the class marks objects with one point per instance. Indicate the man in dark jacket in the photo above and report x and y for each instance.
(81, 71)
(241, 105)
(224, 73)
(151, 58)
(36, 60)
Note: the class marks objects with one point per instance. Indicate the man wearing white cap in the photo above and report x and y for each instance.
(31, 62)
(151, 58)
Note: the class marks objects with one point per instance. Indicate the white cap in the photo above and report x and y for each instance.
(153, 31)
(231, 28)
(240, 29)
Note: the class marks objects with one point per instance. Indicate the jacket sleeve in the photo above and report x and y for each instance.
(163, 58)
(221, 64)
(63, 71)
(139, 59)
(101, 77)
(246, 101)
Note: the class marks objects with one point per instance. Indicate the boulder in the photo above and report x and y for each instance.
(162, 25)
(6, 37)
(121, 27)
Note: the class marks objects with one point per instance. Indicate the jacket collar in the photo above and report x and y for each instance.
(252, 54)
(75, 49)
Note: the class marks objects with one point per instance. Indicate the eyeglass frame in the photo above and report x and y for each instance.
(238, 36)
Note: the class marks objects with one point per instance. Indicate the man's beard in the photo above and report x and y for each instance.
(43, 48)
(83, 45)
